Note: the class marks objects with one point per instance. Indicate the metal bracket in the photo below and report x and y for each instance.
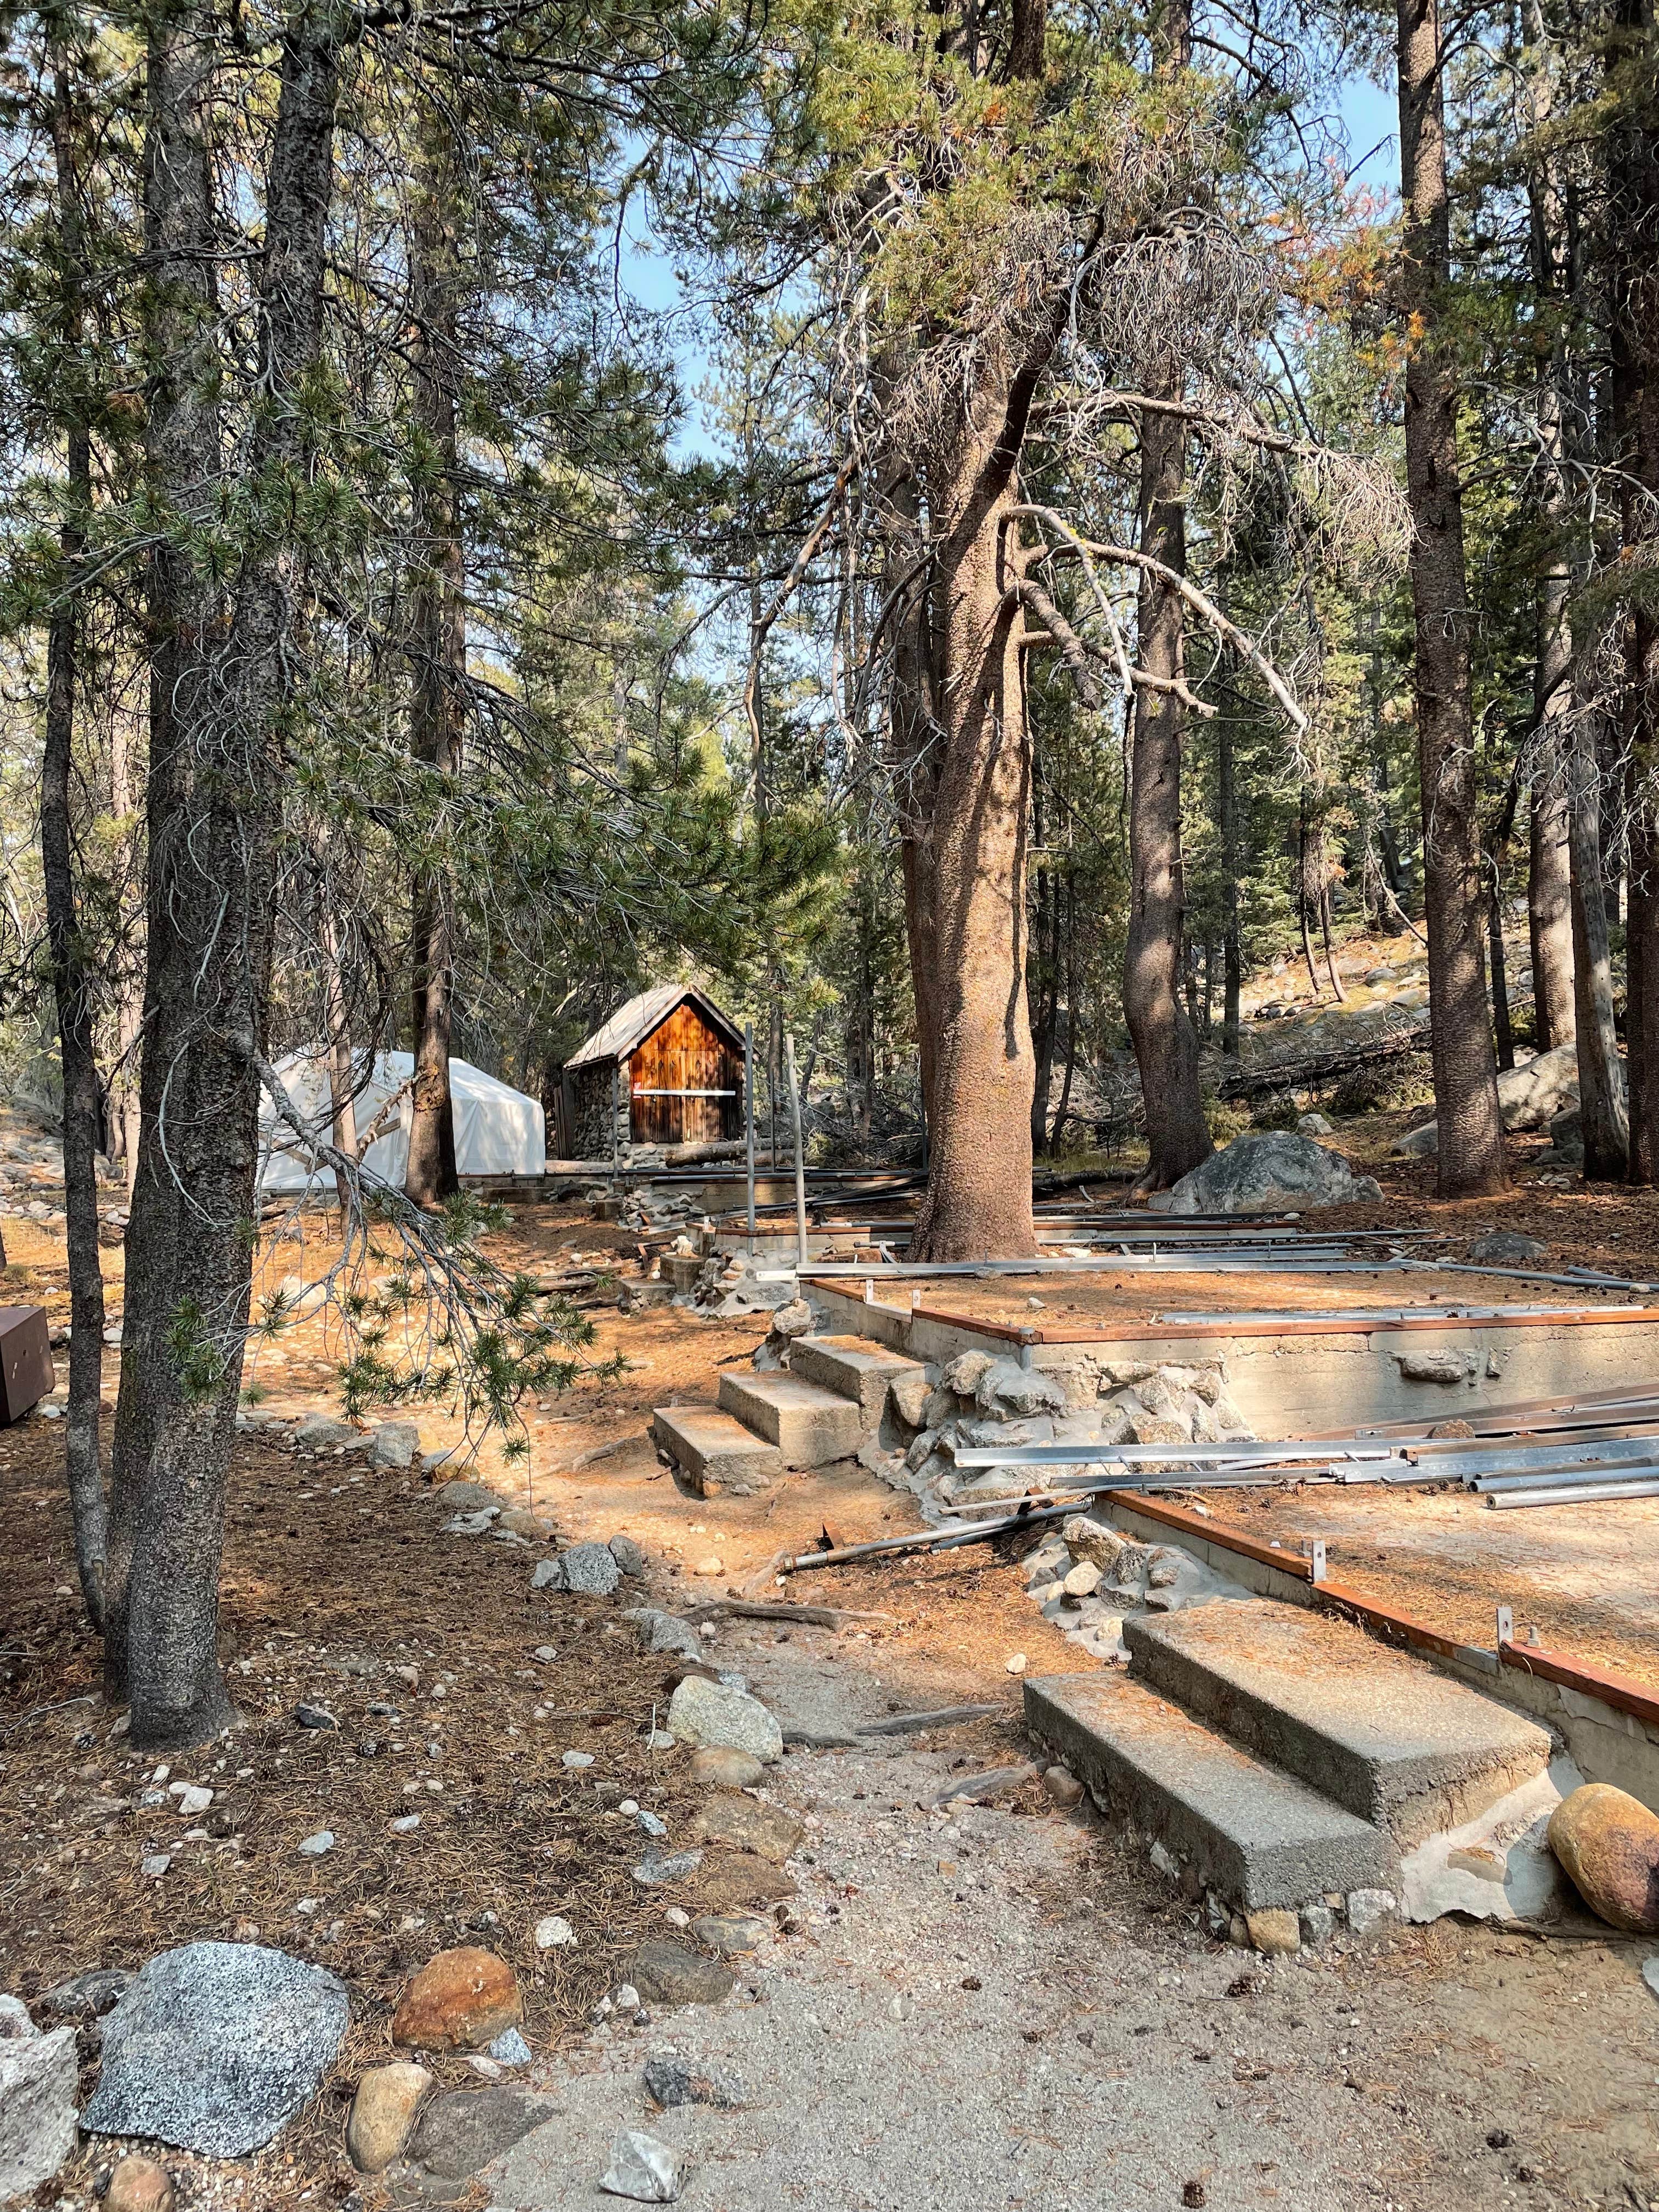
(1317, 1563)
(1505, 1626)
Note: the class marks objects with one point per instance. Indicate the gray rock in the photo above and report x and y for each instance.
(667, 1974)
(510, 2049)
(37, 2077)
(1431, 1366)
(467, 1497)
(1314, 1125)
(1505, 1248)
(314, 1716)
(665, 1632)
(216, 2046)
(585, 1571)
(658, 1868)
(1007, 1388)
(674, 2081)
(908, 1395)
(703, 1712)
(93, 1991)
(463, 2132)
(963, 1374)
(1318, 1924)
(321, 1432)
(1267, 1168)
(792, 1320)
(730, 1934)
(628, 1555)
(471, 1524)
(642, 2168)
(1369, 1908)
(394, 1444)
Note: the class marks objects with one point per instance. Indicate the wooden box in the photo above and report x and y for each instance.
(26, 1370)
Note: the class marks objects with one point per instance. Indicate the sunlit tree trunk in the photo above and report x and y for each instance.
(1470, 1158)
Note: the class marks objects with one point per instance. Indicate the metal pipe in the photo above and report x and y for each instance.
(1561, 1477)
(1228, 1456)
(1584, 1493)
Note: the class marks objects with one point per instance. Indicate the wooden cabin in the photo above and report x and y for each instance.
(667, 1069)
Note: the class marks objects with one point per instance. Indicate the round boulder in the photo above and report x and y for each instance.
(1608, 1842)
(712, 1713)
(383, 2114)
(460, 2001)
(138, 2185)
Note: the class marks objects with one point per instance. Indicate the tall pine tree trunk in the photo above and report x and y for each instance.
(220, 682)
(71, 973)
(439, 624)
(1634, 226)
(1470, 1158)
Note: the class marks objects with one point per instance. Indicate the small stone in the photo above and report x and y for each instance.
(314, 1846)
(1318, 1924)
(749, 1824)
(711, 1565)
(658, 1868)
(1089, 1539)
(674, 2080)
(155, 1864)
(478, 1523)
(139, 2184)
(1083, 1580)
(1369, 1908)
(730, 1934)
(723, 1768)
(1017, 1664)
(554, 1934)
(394, 1444)
(1506, 1248)
(903, 2006)
(406, 1824)
(642, 2168)
(1165, 1861)
(629, 1556)
(465, 2131)
(510, 2049)
(659, 1740)
(576, 1759)
(90, 1993)
(1609, 1842)
(585, 1571)
(383, 2113)
(1063, 1786)
(712, 1713)
(193, 1799)
(1276, 1932)
(667, 1974)
(1651, 1974)
(907, 1394)
(460, 2000)
(314, 1716)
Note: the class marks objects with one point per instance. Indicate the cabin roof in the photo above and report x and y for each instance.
(632, 1023)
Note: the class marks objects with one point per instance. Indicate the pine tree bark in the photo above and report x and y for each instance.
(1164, 1039)
(71, 970)
(438, 625)
(1633, 177)
(1227, 808)
(220, 677)
(1470, 1159)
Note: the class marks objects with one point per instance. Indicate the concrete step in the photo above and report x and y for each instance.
(851, 1368)
(718, 1456)
(810, 1426)
(1377, 1731)
(682, 1269)
(1256, 1837)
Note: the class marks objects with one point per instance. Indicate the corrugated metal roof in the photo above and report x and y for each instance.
(632, 1023)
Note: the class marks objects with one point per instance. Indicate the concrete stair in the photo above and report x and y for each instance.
(1383, 1733)
(718, 1456)
(1282, 1752)
(851, 1367)
(1255, 1836)
(808, 1426)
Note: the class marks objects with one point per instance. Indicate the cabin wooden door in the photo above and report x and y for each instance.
(684, 1083)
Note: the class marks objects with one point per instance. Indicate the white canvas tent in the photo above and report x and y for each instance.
(498, 1130)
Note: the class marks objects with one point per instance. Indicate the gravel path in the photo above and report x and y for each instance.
(983, 2009)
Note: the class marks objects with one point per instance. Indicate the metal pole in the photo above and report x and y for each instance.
(749, 1120)
(616, 1118)
(801, 1163)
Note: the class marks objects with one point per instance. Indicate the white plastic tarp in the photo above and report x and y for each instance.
(498, 1130)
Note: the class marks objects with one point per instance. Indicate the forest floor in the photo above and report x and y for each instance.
(975, 2008)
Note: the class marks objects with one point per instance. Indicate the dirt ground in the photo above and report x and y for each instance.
(1110, 2043)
